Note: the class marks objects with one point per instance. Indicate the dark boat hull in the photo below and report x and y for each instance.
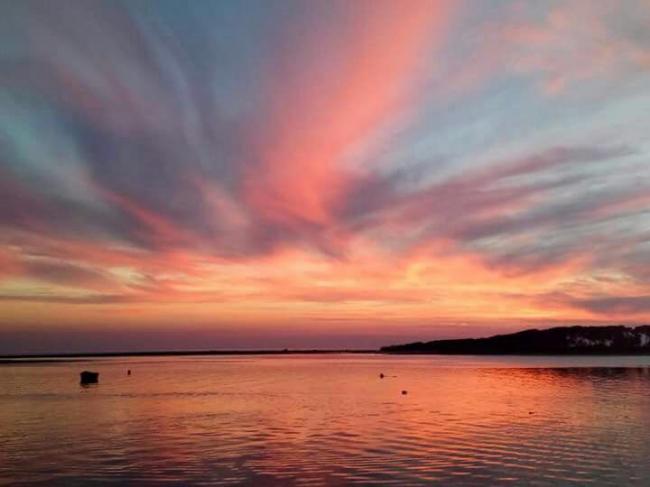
(88, 377)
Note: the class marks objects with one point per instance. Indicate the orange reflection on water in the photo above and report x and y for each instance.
(329, 420)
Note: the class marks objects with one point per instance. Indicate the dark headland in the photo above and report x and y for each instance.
(568, 340)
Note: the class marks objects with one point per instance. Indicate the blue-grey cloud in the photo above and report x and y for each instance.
(144, 125)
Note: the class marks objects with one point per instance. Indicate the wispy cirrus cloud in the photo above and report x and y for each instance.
(273, 161)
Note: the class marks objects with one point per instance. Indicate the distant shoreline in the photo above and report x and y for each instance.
(562, 340)
(558, 341)
(74, 357)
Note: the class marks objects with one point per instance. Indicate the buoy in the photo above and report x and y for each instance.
(128, 372)
(381, 376)
(404, 393)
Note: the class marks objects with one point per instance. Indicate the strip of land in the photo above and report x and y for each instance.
(69, 357)
(568, 340)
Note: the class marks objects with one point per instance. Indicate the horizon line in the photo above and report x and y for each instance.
(11, 358)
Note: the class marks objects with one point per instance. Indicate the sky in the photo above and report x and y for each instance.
(319, 174)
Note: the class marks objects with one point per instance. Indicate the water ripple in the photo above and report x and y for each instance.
(324, 421)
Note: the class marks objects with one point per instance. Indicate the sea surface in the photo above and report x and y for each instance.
(328, 420)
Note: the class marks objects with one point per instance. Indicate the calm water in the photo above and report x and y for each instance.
(319, 420)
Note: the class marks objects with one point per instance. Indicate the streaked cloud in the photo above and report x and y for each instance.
(276, 162)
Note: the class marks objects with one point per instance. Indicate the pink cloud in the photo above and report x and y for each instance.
(321, 116)
(575, 41)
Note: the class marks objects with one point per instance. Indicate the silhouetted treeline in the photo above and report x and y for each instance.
(571, 340)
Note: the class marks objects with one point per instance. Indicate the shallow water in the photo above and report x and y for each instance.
(328, 419)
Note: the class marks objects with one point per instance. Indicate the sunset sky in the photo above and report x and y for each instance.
(275, 173)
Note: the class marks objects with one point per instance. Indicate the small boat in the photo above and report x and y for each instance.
(88, 377)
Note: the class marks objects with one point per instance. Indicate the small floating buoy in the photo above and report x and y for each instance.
(88, 377)
(404, 393)
(381, 376)
(128, 372)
